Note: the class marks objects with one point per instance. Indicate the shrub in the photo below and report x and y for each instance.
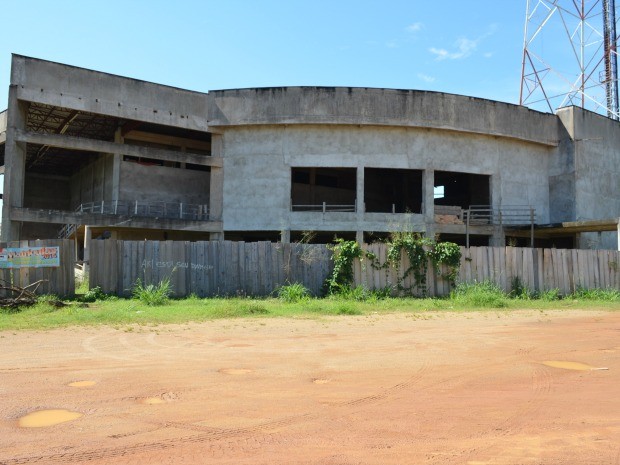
(94, 294)
(292, 293)
(152, 294)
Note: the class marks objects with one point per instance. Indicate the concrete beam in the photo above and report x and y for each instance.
(93, 145)
(380, 107)
(82, 89)
(117, 221)
(164, 139)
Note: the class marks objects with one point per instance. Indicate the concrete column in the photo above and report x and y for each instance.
(359, 237)
(116, 167)
(14, 166)
(359, 202)
(88, 236)
(428, 196)
(285, 236)
(216, 187)
(498, 239)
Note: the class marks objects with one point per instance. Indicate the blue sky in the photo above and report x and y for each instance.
(466, 47)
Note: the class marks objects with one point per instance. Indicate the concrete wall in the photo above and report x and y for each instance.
(94, 182)
(160, 183)
(258, 161)
(47, 192)
(597, 171)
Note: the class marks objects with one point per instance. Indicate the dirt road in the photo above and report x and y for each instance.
(437, 388)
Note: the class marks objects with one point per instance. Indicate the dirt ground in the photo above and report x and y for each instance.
(438, 388)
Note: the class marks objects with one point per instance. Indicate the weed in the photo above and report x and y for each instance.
(609, 294)
(550, 295)
(485, 294)
(347, 309)
(94, 294)
(253, 308)
(152, 294)
(520, 290)
(292, 293)
(363, 294)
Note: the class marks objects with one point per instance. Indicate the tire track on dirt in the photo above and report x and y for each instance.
(527, 413)
(209, 434)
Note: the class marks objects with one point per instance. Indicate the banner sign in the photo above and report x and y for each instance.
(29, 257)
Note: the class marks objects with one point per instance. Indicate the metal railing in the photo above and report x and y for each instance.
(170, 210)
(324, 207)
(137, 208)
(509, 215)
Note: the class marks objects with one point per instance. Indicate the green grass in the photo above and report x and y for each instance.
(121, 312)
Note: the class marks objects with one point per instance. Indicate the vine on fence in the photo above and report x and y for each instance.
(419, 251)
(448, 254)
(345, 252)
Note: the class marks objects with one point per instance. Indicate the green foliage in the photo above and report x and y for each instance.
(414, 245)
(293, 292)
(485, 294)
(448, 254)
(93, 295)
(418, 249)
(520, 290)
(344, 253)
(253, 308)
(363, 294)
(550, 295)
(609, 294)
(347, 309)
(81, 285)
(152, 294)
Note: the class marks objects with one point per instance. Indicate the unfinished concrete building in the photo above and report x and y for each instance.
(86, 152)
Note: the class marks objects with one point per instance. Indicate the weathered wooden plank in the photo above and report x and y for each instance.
(262, 269)
(220, 278)
(595, 268)
(545, 269)
(197, 269)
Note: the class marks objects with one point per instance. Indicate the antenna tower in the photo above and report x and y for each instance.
(570, 56)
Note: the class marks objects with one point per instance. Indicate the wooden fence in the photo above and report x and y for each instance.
(259, 268)
(208, 268)
(537, 269)
(58, 280)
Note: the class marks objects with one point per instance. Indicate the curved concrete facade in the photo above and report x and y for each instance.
(383, 107)
(267, 132)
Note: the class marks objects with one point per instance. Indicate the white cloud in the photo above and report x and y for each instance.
(488, 54)
(415, 27)
(426, 77)
(463, 47)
